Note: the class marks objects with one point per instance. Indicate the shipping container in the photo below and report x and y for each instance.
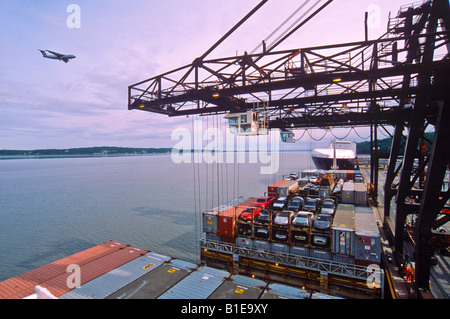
(58, 285)
(360, 194)
(244, 241)
(199, 284)
(350, 175)
(279, 291)
(226, 220)
(343, 230)
(227, 239)
(209, 217)
(280, 248)
(272, 190)
(320, 254)
(23, 285)
(368, 240)
(156, 282)
(211, 237)
(285, 188)
(107, 284)
(300, 251)
(348, 193)
(239, 287)
(346, 259)
(261, 244)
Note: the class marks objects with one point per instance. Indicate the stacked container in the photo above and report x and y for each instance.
(360, 194)
(368, 241)
(343, 233)
(348, 193)
(209, 217)
(226, 220)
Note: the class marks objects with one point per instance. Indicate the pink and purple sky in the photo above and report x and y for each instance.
(51, 104)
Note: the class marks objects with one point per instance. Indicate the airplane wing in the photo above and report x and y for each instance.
(56, 53)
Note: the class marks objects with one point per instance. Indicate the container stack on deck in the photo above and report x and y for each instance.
(344, 241)
(351, 238)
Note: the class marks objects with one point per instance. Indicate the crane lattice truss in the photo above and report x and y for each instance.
(401, 79)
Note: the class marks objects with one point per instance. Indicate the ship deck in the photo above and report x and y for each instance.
(113, 270)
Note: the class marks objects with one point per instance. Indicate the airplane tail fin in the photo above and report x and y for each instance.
(43, 53)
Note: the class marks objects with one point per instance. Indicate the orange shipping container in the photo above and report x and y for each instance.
(226, 221)
(93, 262)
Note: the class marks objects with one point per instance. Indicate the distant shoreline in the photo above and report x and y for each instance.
(85, 151)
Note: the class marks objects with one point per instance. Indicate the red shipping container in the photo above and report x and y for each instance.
(226, 221)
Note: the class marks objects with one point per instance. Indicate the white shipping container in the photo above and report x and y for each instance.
(343, 230)
(360, 194)
(348, 193)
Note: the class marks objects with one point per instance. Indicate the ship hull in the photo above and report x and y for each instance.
(327, 163)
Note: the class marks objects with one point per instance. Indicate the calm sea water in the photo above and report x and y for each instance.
(54, 207)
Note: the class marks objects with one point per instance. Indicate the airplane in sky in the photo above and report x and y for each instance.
(57, 56)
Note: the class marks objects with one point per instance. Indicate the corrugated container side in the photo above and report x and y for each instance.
(226, 221)
(210, 222)
(58, 285)
(156, 282)
(280, 248)
(273, 189)
(360, 194)
(261, 244)
(199, 284)
(343, 230)
(24, 284)
(243, 241)
(368, 241)
(346, 259)
(278, 291)
(300, 251)
(210, 216)
(107, 284)
(212, 237)
(239, 287)
(283, 189)
(348, 193)
(343, 241)
(320, 254)
(229, 240)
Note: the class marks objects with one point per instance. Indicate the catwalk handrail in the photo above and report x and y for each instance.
(310, 263)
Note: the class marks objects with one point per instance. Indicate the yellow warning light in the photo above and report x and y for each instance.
(337, 80)
(215, 95)
(141, 106)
